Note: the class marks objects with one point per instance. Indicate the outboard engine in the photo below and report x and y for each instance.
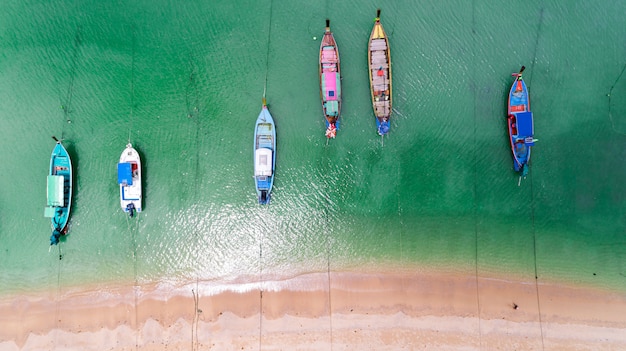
(130, 208)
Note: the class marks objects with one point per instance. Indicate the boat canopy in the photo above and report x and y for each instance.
(49, 211)
(55, 191)
(332, 108)
(331, 86)
(525, 124)
(328, 54)
(125, 173)
(263, 162)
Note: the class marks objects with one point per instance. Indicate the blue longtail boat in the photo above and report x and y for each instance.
(59, 184)
(330, 81)
(520, 124)
(264, 154)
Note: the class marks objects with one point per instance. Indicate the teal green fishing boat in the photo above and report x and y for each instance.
(59, 184)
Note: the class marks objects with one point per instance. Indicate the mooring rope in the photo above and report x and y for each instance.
(260, 289)
(532, 193)
(328, 253)
(67, 105)
(532, 64)
(610, 94)
(532, 213)
(267, 55)
(132, 232)
(194, 330)
(475, 209)
(192, 111)
(132, 82)
(57, 313)
(267, 65)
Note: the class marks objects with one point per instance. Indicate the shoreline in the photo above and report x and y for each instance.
(381, 310)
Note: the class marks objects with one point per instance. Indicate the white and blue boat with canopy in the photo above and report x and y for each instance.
(264, 154)
(129, 180)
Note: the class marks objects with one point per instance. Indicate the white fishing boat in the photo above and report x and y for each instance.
(264, 154)
(129, 179)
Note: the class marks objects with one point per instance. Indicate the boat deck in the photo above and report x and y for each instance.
(130, 193)
(62, 168)
(380, 77)
(264, 137)
(518, 99)
(264, 140)
(58, 206)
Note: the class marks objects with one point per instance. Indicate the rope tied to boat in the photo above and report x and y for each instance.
(132, 82)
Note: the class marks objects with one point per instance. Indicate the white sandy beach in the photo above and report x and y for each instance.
(377, 311)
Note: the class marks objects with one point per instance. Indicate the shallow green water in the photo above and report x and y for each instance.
(185, 82)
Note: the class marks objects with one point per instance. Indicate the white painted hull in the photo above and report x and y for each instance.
(131, 194)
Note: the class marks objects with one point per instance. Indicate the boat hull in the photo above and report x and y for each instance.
(379, 64)
(129, 180)
(59, 192)
(520, 125)
(330, 82)
(264, 155)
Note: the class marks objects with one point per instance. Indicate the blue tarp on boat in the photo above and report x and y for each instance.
(525, 124)
(125, 173)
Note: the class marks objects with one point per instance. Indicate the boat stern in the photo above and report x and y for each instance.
(383, 127)
(264, 197)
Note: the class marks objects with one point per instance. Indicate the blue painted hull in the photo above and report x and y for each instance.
(264, 154)
(61, 165)
(520, 125)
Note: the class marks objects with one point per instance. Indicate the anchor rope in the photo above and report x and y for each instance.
(132, 232)
(267, 55)
(260, 290)
(326, 9)
(132, 83)
(610, 93)
(328, 253)
(57, 313)
(192, 109)
(532, 214)
(133, 228)
(66, 106)
(475, 209)
(532, 192)
(532, 64)
(267, 64)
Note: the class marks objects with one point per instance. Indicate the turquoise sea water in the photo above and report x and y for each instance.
(185, 81)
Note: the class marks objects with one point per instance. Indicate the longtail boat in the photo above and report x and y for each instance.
(264, 154)
(520, 124)
(59, 184)
(330, 81)
(129, 179)
(379, 62)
